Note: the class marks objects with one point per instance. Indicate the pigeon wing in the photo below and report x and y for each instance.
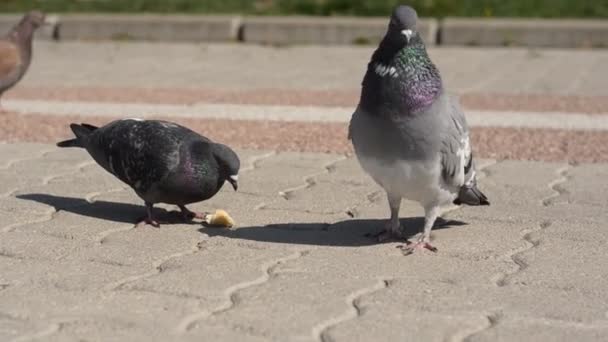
(139, 156)
(456, 155)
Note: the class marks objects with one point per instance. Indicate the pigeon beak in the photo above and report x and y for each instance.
(234, 181)
(408, 34)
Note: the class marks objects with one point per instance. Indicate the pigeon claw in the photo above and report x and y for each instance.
(194, 215)
(190, 215)
(411, 247)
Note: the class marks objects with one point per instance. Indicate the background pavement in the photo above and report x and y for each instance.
(237, 66)
(298, 266)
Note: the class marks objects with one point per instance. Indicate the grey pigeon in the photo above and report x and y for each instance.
(409, 135)
(162, 161)
(16, 50)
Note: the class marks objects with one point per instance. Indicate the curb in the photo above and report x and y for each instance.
(525, 32)
(289, 30)
(324, 31)
(148, 27)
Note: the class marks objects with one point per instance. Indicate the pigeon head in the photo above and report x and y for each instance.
(24, 30)
(400, 36)
(402, 26)
(35, 19)
(400, 78)
(229, 164)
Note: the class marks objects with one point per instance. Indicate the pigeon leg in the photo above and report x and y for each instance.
(424, 241)
(148, 219)
(392, 228)
(189, 215)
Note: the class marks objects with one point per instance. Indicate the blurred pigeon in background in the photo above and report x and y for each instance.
(408, 134)
(16, 50)
(162, 161)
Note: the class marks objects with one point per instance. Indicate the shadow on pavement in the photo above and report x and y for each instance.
(350, 233)
(111, 211)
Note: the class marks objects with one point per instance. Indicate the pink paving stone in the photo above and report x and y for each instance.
(498, 143)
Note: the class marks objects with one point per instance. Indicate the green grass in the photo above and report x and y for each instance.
(427, 8)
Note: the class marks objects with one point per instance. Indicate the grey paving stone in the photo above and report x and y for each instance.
(406, 326)
(26, 173)
(13, 327)
(14, 153)
(73, 275)
(99, 315)
(558, 263)
(522, 329)
(73, 267)
(583, 184)
(16, 213)
(472, 69)
(285, 172)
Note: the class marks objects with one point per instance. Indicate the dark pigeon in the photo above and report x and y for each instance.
(409, 135)
(16, 50)
(162, 161)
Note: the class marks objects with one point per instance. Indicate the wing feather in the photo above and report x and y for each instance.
(456, 155)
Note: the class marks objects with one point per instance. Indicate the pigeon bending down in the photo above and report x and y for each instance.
(162, 161)
(16, 50)
(408, 134)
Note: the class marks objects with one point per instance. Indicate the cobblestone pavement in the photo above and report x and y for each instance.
(232, 66)
(298, 266)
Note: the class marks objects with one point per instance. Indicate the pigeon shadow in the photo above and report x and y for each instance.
(349, 233)
(105, 210)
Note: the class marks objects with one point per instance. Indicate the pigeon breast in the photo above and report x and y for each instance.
(11, 64)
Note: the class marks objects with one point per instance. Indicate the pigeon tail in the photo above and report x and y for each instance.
(81, 132)
(471, 195)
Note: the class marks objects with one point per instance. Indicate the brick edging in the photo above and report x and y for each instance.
(285, 30)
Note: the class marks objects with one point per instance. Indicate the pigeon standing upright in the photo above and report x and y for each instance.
(409, 135)
(162, 161)
(16, 50)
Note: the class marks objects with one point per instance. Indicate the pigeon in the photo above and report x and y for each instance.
(409, 135)
(162, 161)
(16, 50)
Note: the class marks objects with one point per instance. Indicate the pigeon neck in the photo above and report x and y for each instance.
(200, 167)
(400, 79)
(22, 34)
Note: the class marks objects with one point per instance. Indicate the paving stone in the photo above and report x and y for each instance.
(13, 327)
(522, 329)
(559, 263)
(69, 275)
(135, 64)
(585, 185)
(14, 153)
(15, 213)
(73, 267)
(26, 173)
(405, 326)
(285, 171)
(114, 313)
